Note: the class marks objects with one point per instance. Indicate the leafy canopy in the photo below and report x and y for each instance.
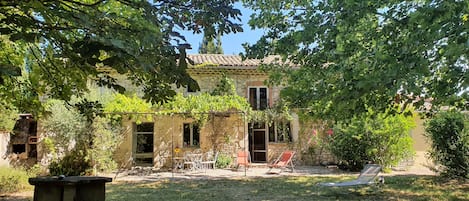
(363, 53)
(63, 44)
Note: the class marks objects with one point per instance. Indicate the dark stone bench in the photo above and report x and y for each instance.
(73, 188)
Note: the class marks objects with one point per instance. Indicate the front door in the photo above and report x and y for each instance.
(258, 142)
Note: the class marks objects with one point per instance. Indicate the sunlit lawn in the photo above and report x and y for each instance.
(287, 188)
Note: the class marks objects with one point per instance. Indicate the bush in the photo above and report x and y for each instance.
(74, 163)
(450, 143)
(69, 134)
(105, 141)
(14, 180)
(381, 138)
(223, 161)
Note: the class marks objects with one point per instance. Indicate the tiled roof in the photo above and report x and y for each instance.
(230, 60)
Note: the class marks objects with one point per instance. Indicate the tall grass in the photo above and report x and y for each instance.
(14, 180)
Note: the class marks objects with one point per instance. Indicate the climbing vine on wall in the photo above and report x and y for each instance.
(199, 107)
(131, 106)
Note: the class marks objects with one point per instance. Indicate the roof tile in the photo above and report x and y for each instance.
(230, 60)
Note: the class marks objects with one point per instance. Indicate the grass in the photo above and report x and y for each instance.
(279, 188)
(13, 180)
(287, 188)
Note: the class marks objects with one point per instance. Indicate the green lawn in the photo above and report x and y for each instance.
(287, 188)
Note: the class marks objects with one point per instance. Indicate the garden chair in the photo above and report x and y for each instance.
(192, 160)
(285, 160)
(209, 160)
(368, 176)
(243, 159)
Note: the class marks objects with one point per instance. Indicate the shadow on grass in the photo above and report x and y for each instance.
(408, 187)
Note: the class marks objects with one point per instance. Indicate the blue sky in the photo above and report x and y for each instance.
(231, 42)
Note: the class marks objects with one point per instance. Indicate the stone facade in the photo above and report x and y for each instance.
(4, 141)
(220, 133)
(215, 135)
(231, 133)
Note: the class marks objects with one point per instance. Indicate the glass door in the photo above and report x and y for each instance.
(258, 142)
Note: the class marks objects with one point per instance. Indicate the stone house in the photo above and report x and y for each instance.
(153, 143)
(157, 141)
(20, 146)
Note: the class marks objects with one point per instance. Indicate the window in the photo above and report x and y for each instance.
(144, 138)
(191, 135)
(19, 148)
(258, 98)
(280, 132)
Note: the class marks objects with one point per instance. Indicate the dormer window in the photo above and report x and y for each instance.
(258, 98)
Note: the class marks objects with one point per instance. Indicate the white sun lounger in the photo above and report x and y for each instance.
(367, 177)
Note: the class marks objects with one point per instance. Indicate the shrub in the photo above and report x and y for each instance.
(74, 163)
(223, 161)
(13, 180)
(70, 135)
(381, 138)
(105, 141)
(450, 143)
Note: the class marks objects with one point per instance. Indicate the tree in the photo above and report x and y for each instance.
(61, 45)
(208, 46)
(357, 54)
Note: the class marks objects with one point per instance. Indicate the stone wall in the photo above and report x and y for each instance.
(311, 148)
(123, 153)
(421, 143)
(224, 131)
(275, 149)
(4, 141)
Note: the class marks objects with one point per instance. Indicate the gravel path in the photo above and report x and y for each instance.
(254, 172)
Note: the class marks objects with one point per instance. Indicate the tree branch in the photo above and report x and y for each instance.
(83, 4)
(39, 63)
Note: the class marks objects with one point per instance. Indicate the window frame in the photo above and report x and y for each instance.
(273, 129)
(143, 156)
(258, 99)
(193, 128)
